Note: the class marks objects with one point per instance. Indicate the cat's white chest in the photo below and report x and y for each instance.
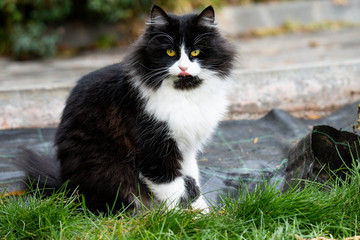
(191, 115)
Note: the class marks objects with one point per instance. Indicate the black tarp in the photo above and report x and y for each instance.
(241, 152)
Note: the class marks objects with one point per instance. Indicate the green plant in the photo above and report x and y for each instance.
(30, 41)
(24, 33)
(50, 11)
(105, 42)
(117, 10)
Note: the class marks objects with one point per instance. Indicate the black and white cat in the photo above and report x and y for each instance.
(130, 132)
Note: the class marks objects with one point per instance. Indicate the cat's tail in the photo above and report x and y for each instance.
(42, 171)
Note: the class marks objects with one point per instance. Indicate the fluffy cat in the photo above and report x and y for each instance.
(130, 132)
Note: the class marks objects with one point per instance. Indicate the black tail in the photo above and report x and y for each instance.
(41, 171)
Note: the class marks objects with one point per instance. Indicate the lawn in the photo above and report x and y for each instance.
(328, 210)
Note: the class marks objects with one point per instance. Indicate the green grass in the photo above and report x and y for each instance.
(329, 210)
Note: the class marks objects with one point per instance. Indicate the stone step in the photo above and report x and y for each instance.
(308, 90)
(239, 19)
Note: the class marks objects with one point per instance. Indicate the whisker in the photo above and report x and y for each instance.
(201, 36)
(151, 69)
(162, 34)
(157, 74)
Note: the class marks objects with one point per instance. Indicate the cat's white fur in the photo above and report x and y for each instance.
(192, 116)
(170, 193)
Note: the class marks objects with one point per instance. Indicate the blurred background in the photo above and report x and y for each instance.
(32, 29)
(302, 56)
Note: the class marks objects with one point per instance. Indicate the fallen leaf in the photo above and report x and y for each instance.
(14, 193)
(314, 117)
(340, 2)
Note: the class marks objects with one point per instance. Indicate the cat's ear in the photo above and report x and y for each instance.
(207, 17)
(158, 16)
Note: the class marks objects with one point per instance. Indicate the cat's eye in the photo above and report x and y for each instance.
(195, 53)
(170, 52)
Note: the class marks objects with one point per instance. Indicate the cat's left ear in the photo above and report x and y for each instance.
(207, 17)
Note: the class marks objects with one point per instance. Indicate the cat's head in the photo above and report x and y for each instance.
(185, 50)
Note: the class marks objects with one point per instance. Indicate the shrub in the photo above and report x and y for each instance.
(116, 10)
(30, 41)
(24, 34)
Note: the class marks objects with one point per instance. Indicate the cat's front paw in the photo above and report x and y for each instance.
(200, 205)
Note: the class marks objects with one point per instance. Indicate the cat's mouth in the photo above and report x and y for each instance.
(187, 82)
(184, 74)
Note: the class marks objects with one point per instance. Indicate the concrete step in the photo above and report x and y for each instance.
(310, 90)
(239, 19)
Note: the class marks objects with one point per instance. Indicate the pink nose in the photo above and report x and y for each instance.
(183, 69)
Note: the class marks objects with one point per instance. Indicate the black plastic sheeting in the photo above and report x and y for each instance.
(277, 148)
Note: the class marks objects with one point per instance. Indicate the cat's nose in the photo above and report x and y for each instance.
(183, 69)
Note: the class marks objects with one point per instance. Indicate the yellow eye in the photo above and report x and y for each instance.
(194, 53)
(170, 52)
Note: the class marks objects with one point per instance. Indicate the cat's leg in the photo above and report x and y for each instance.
(172, 180)
(191, 173)
(170, 192)
(193, 195)
(182, 190)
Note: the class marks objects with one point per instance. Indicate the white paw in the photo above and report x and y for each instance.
(200, 204)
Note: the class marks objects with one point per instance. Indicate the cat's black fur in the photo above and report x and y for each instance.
(106, 139)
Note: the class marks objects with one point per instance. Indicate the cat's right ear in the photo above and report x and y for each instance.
(158, 16)
(207, 17)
